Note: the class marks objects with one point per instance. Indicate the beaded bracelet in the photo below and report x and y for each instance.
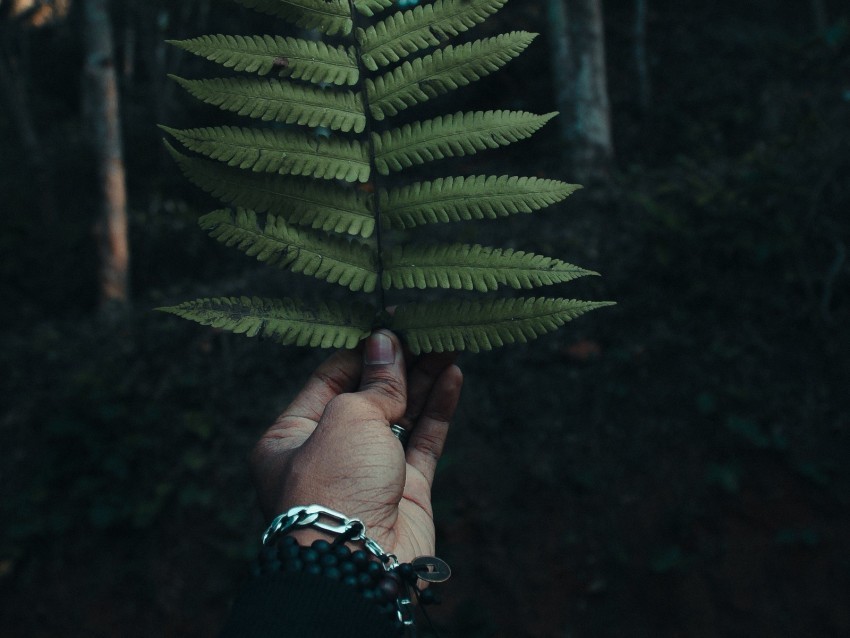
(384, 581)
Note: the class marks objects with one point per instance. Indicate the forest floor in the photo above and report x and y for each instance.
(673, 466)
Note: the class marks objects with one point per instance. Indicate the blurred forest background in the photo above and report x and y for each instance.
(678, 465)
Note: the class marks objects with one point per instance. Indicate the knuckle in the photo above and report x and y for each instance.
(390, 386)
(430, 444)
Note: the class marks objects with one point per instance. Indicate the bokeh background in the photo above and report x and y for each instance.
(675, 466)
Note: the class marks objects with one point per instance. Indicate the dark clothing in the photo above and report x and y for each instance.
(299, 605)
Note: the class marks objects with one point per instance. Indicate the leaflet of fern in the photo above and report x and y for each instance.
(452, 136)
(318, 205)
(407, 32)
(463, 267)
(272, 151)
(454, 199)
(330, 259)
(476, 326)
(444, 70)
(306, 60)
(273, 101)
(298, 203)
(290, 322)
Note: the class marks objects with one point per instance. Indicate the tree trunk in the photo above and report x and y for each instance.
(105, 132)
(16, 97)
(578, 45)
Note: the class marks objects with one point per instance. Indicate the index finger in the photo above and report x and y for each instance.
(338, 374)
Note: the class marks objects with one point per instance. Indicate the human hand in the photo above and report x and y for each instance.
(333, 445)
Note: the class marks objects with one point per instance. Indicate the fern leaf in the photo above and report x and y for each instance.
(284, 152)
(290, 322)
(299, 201)
(328, 16)
(271, 100)
(465, 267)
(306, 60)
(370, 8)
(330, 259)
(407, 32)
(453, 199)
(444, 70)
(475, 326)
(452, 136)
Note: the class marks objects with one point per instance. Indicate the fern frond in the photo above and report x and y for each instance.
(465, 267)
(444, 70)
(453, 199)
(452, 136)
(290, 322)
(272, 100)
(306, 60)
(407, 32)
(284, 152)
(475, 326)
(330, 259)
(328, 16)
(299, 201)
(370, 8)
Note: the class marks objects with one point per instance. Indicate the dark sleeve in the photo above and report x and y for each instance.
(299, 605)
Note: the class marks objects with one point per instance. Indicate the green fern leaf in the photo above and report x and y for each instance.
(326, 207)
(328, 16)
(465, 267)
(290, 322)
(454, 326)
(444, 70)
(330, 259)
(452, 136)
(453, 199)
(272, 100)
(284, 152)
(370, 8)
(407, 32)
(306, 60)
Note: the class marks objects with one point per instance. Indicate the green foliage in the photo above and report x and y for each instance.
(332, 229)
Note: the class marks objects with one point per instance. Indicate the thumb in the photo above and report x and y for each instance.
(384, 380)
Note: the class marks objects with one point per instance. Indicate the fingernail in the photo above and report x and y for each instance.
(379, 350)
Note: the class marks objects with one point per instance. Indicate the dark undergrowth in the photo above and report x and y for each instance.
(674, 466)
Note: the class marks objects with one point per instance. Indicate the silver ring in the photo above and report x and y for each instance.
(400, 433)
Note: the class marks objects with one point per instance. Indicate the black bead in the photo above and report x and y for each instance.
(322, 546)
(272, 566)
(428, 597)
(268, 552)
(406, 571)
(341, 551)
(369, 594)
(389, 588)
(364, 580)
(360, 557)
(314, 569)
(388, 608)
(347, 568)
(285, 552)
(309, 555)
(331, 572)
(374, 568)
(288, 541)
(328, 560)
(293, 565)
(350, 581)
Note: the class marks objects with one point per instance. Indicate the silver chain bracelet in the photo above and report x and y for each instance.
(327, 520)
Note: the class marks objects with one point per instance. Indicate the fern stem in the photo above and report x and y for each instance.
(358, 21)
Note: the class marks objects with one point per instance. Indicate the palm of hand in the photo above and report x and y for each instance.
(334, 447)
